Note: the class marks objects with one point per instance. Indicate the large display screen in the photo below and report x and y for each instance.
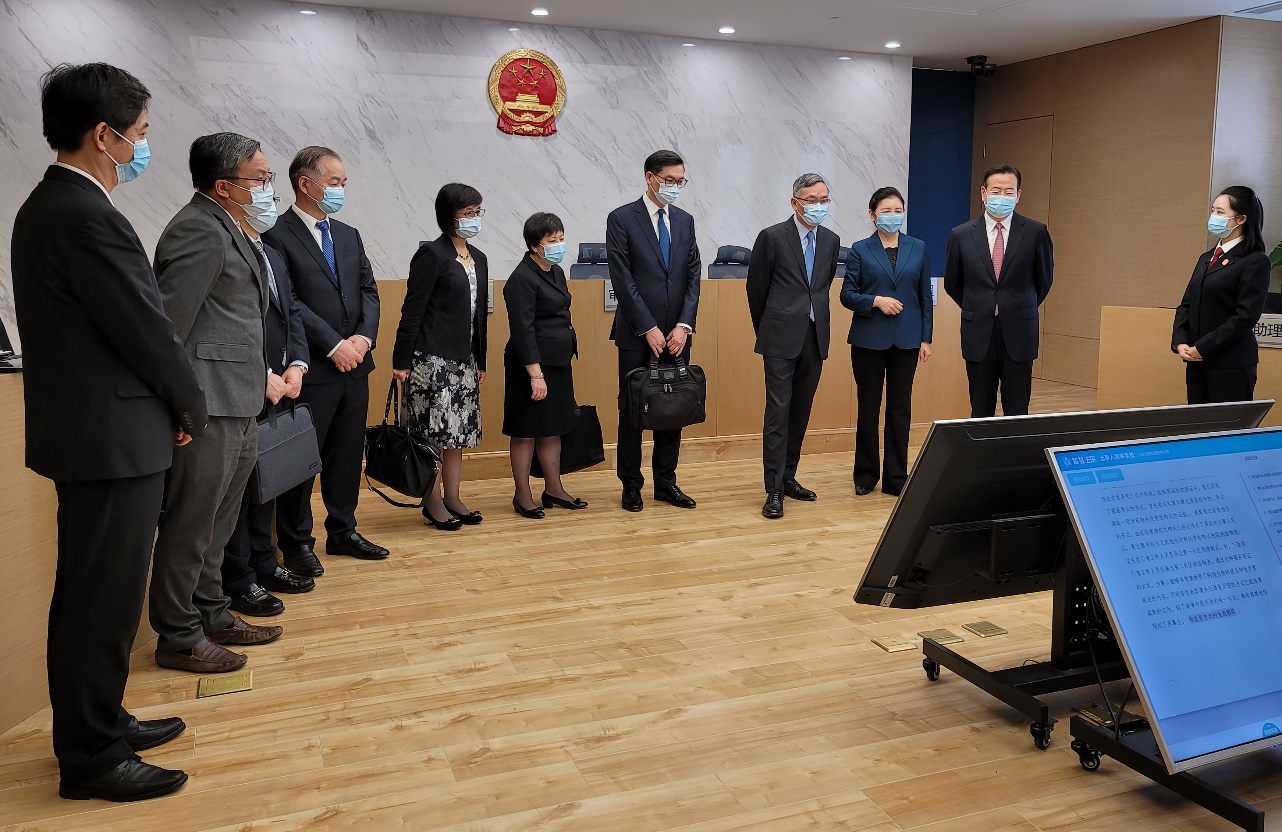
(1184, 538)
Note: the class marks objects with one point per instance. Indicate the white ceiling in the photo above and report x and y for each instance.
(938, 33)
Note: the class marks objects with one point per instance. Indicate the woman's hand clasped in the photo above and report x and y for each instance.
(1188, 353)
(888, 306)
(401, 375)
(538, 389)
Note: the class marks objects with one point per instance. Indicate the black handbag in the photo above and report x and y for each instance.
(582, 447)
(288, 454)
(399, 457)
(665, 396)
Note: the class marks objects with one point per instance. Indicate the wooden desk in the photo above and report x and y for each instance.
(1138, 369)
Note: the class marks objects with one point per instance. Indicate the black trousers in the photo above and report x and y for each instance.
(790, 391)
(340, 411)
(892, 370)
(105, 533)
(1015, 379)
(667, 443)
(250, 554)
(1220, 384)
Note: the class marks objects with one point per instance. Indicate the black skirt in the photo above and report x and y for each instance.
(525, 418)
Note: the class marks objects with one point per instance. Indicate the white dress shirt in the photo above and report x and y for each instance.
(310, 222)
(1230, 244)
(991, 225)
(88, 176)
(667, 220)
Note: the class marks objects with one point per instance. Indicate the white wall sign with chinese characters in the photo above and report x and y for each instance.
(611, 299)
(1268, 332)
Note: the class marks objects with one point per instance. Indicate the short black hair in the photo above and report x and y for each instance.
(660, 159)
(74, 99)
(997, 169)
(539, 226)
(219, 156)
(307, 163)
(884, 193)
(1244, 202)
(450, 200)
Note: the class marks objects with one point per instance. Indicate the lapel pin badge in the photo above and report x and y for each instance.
(1224, 262)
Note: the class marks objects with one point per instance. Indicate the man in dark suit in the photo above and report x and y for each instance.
(250, 569)
(215, 291)
(999, 269)
(109, 391)
(655, 269)
(792, 266)
(335, 285)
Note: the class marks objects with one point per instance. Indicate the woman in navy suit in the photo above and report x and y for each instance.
(887, 286)
(1214, 332)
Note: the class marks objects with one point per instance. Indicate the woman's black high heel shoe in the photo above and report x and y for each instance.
(472, 518)
(535, 513)
(573, 505)
(451, 525)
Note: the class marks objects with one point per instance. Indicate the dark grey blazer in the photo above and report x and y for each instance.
(780, 296)
(216, 295)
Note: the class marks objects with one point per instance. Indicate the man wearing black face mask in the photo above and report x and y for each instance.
(109, 391)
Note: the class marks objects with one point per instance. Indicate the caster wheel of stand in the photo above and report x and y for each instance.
(1041, 734)
(1087, 756)
(932, 669)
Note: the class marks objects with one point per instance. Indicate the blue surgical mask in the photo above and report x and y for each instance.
(668, 194)
(1218, 225)
(264, 221)
(261, 212)
(814, 214)
(468, 227)
(131, 170)
(332, 202)
(890, 223)
(554, 252)
(1000, 205)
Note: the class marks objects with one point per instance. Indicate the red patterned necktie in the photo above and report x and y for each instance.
(999, 252)
(1219, 252)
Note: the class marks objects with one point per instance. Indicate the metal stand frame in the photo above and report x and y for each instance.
(1139, 752)
(1071, 665)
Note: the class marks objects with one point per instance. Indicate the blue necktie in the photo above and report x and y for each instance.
(327, 245)
(665, 241)
(810, 257)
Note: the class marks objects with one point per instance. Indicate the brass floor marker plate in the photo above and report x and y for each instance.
(894, 644)
(942, 636)
(986, 629)
(226, 683)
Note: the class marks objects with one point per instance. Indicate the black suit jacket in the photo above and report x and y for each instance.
(284, 335)
(436, 317)
(780, 296)
(649, 293)
(107, 381)
(333, 307)
(1027, 272)
(538, 314)
(1221, 306)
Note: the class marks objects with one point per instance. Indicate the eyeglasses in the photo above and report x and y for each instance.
(470, 214)
(814, 201)
(680, 183)
(266, 180)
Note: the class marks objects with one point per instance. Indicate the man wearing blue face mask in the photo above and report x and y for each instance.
(215, 289)
(791, 267)
(999, 269)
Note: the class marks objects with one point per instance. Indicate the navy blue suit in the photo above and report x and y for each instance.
(650, 295)
(884, 350)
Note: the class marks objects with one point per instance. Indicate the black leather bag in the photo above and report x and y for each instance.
(288, 454)
(582, 447)
(399, 457)
(665, 396)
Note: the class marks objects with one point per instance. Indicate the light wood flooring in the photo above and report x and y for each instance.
(699, 670)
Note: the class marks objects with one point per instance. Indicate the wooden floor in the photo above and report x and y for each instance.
(698, 670)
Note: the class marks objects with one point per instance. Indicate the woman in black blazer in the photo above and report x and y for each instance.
(538, 400)
(440, 347)
(1215, 322)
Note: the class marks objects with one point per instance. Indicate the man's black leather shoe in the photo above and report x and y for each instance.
(795, 490)
(632, 499)
(355, 546)
(131, 780)
(863, 490)
(287, 582)
(257, 602)
(152, 732)
(673, 495)
(773, 509)
(305, 563)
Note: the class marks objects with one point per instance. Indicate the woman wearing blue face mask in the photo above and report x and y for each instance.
(1215, 322)
(538, 401)
(440, 347)
(887, 285)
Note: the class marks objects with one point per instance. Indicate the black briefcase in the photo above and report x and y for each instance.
(288, 454)
(665, 396)
(582, 447)
(399, 457)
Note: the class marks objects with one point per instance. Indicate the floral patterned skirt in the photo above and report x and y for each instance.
(443, 401)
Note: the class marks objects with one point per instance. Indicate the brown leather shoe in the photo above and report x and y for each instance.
(206, 657)
(242, 632)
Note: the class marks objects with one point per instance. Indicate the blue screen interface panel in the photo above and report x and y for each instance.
(1184, 539)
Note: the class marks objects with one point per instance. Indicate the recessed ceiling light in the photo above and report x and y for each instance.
(513, 29)
(726, 30)
(843, 57)
(687, 44)
(893, 44)
(539, 12)
(307, 11)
